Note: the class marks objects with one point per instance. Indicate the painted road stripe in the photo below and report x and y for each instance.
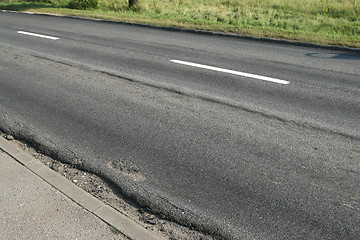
(38, 35)
(249, 75)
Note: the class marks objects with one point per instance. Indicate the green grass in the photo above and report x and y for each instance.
(328, 22)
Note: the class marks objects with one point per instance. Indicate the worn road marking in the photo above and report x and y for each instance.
(9, 11)
(38, 35)
(249, 75)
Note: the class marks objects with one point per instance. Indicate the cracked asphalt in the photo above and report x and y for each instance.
(231, 157)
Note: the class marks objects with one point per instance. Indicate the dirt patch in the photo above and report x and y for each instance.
(104, 191)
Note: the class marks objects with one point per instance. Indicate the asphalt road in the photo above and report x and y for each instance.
(272, 155)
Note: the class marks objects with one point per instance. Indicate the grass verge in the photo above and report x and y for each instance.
(326, 22)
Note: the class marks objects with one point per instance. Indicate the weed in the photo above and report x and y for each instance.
(83, 4)
(114, 230)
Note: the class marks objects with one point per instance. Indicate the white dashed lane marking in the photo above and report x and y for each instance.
(243, 74)
(38, 35)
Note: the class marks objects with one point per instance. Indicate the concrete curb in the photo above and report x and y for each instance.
(103, 211)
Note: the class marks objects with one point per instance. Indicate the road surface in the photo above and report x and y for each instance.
(239, 138)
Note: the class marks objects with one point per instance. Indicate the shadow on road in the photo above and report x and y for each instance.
(335, 56)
